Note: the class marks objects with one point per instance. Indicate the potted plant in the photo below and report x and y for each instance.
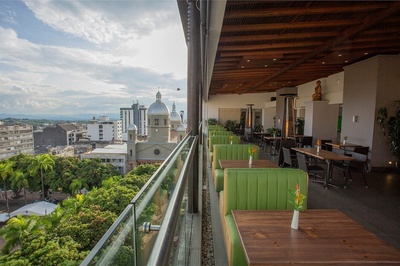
(273, 131)
(212, 121)
(391, 129)
(231, 125)
(299, 126)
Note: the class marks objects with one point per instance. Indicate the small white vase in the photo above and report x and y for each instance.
(295, 220)
(251, 160)
(344, 142)
(318, 148)
(231, 142)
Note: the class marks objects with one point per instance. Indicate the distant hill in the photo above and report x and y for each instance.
(83, 117)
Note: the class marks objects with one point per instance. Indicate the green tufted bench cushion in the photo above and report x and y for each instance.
(255, 189)
(229, 152)
(220, 139)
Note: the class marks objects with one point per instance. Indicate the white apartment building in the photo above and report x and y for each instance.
(114, 154)
(15, 139)
(104, 130)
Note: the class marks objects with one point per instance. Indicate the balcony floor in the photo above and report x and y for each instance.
(375, 207)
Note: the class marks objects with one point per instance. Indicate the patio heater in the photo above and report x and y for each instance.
(248, 130)
(288, 126)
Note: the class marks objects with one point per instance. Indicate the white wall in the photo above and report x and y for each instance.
(210, 108)
(321, 120)
(332, 90)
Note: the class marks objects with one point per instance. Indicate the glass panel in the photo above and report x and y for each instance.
(121, 245)
(153, 204)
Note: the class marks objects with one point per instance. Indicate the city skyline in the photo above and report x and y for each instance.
(90, 57)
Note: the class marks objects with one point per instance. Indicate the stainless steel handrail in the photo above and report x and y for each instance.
(102, 242)
(160, 252)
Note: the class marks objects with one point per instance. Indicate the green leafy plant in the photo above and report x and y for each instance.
(298, 199)
(212, 121)
(252, 150)
(299, 126)
(231, 125)
(274, 131)
(258, 128)
(391, 128)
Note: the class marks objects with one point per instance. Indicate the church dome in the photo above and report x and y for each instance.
(174, 116)
(181, 128)
(158, 107)
(132, 127)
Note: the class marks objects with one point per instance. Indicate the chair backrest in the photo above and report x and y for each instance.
(232, 152)
(261, 188)
(307, 141)
(324, 146)
(360, 161)
(222, 139)
(362, 149)
(287, 143)
(359, 157)
(287, 159)
(301, 161)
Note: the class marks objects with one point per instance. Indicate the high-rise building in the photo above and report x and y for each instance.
(15, 139)
(137, 115)
(103, 129)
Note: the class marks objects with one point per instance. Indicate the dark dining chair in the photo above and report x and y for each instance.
(359, 164)
(325, 146)
(275, 147)
(311, 169)
(289, 159)
(306, 141)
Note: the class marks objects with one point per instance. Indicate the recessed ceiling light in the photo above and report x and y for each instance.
(340, 55)
(248, 60)
(323, 63)
(274, 59)
(346, 61)
(365, 53)
(242, 66)
(265, 65)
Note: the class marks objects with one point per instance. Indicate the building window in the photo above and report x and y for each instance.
(130, 153)
(165, 122)
(156, 122)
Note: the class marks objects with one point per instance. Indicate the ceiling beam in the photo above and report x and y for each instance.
(368, 22)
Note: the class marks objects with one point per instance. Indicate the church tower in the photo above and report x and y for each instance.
(158, 121)
(131, 146)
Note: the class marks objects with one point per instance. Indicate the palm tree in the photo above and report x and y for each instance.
(42, 162)
(19, 181)
(17, 229)
(77, 184)
(6, 171)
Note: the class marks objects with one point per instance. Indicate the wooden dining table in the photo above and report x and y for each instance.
(245, 164)
(323, 237)
(340, 145)
(328, 157)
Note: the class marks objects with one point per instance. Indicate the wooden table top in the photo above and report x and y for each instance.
(323, 154)
(324, 236)
(245, 164)
(272, 138)
(340, 145)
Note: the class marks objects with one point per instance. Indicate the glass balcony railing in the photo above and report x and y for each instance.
(152, 228)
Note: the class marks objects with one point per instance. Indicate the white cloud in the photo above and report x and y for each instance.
(140, 49)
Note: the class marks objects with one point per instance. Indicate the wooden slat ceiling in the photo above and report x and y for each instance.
(267, 45)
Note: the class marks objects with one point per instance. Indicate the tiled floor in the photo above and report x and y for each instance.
(377, 207)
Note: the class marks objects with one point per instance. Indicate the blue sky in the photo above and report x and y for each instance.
(71, 57)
